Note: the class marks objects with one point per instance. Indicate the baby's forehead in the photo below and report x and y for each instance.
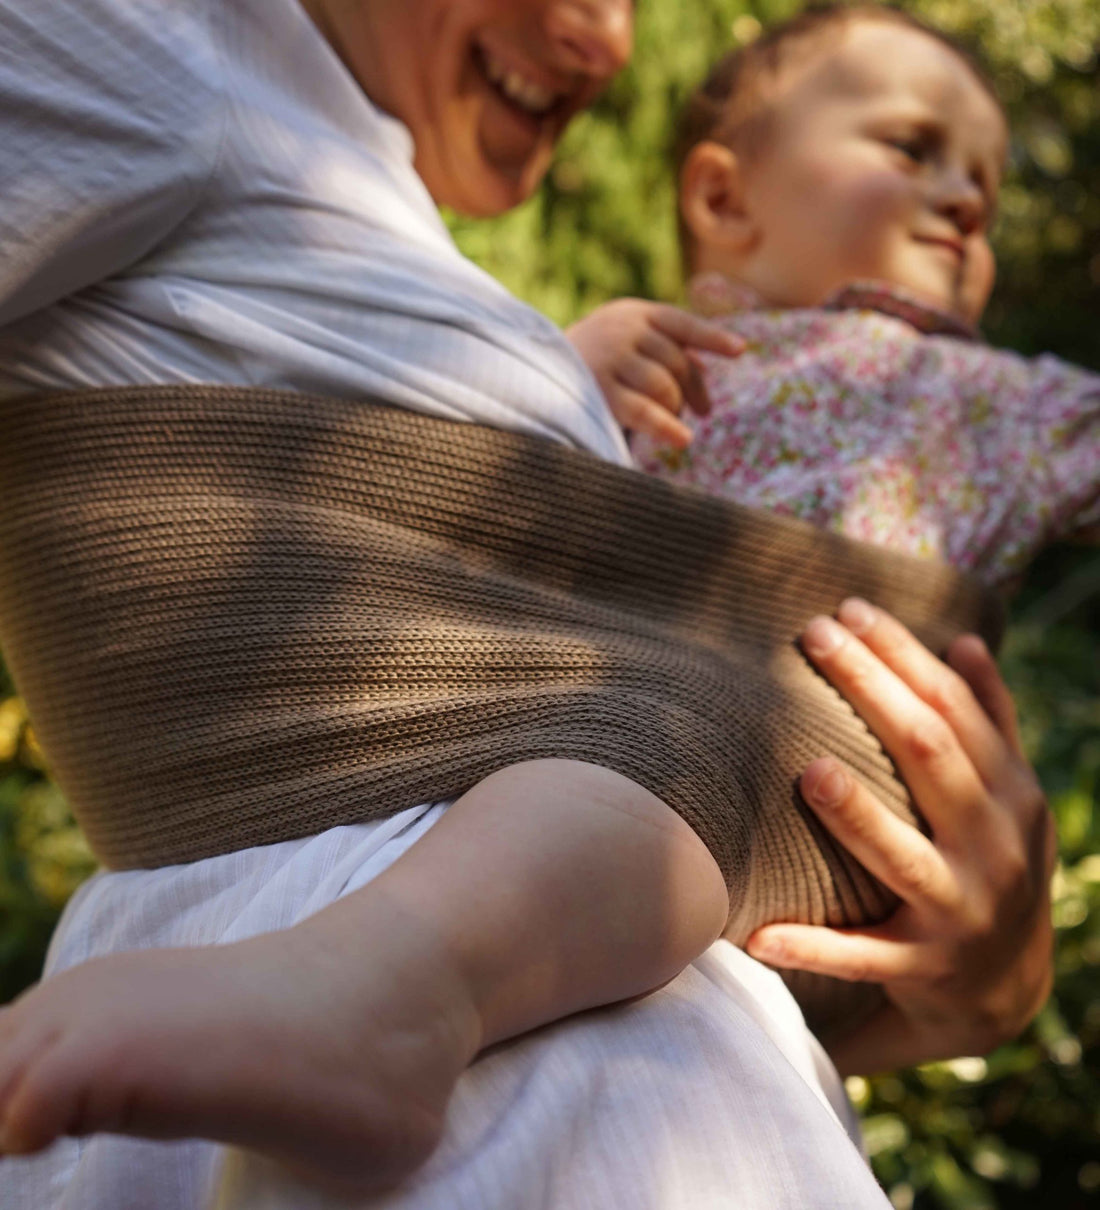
(875, 62)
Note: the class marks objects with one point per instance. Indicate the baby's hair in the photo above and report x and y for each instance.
(733, 104)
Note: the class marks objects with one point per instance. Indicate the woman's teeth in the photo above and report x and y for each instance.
(530, 96)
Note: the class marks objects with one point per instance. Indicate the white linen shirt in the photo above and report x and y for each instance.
(198, 192)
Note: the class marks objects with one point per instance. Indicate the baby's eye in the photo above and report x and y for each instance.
(914, 147)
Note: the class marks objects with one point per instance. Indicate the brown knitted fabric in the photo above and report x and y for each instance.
(240, 616)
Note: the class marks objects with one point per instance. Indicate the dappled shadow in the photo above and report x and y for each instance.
(243, 616)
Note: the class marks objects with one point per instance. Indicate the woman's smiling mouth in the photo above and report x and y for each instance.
(516, 88)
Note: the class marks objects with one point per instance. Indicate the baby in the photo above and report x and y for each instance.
(838, 180)
(335, 1045)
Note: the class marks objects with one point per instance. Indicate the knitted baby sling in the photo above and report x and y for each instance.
(241, 616)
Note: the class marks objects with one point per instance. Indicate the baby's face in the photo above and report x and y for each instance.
(884, 162)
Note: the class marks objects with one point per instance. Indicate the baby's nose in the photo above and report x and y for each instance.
(963, 200)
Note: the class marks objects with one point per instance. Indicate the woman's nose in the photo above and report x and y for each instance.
(592, 36)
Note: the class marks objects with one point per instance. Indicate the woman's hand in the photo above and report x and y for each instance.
(641, 354)
(966, 959)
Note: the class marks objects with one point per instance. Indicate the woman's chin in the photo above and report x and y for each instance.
(484, 190)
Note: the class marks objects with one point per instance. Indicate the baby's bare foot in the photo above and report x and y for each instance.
(320, 1050)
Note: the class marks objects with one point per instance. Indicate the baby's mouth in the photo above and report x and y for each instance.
(953, 247)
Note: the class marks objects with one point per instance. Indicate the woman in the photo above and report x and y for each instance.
(206, 195)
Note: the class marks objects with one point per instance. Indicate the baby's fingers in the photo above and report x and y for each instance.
(693, 332)
(639, 413)
(683, 379)
(898, 854)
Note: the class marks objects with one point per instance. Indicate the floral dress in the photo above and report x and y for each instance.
(881, 418)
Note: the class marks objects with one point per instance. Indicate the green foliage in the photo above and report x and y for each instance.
(1025, 1123)
(43, 857)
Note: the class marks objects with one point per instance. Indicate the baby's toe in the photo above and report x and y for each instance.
(22, 1038)
(48, 1091)
(23, 1096)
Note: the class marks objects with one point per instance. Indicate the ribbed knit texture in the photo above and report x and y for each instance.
(244, 616)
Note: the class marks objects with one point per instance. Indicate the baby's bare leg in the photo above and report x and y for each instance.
(334, 1046)
(558, 886)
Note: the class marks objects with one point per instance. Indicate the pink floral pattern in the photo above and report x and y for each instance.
(883, 419)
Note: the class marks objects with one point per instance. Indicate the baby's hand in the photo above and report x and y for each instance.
(642, 354)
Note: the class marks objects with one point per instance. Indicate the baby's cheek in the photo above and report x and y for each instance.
(853, 208)
(875, 203)
(978, 285)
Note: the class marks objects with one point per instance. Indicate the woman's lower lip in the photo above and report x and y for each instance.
(531, 123)
(523, 118)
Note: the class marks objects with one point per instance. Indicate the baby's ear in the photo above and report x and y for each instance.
(712, 202)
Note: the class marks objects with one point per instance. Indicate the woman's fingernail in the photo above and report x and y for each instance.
(822, 637)
(857, 615)
(973, 642)
(830, 788)
(766, 949)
